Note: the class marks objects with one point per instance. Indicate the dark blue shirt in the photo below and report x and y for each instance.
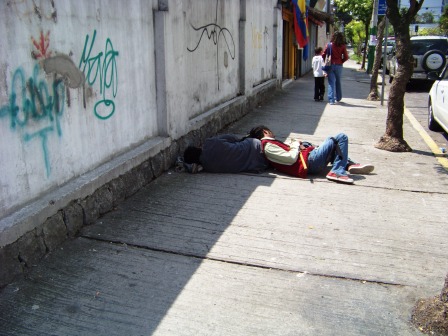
(227, 154)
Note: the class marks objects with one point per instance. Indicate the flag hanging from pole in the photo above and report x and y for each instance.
(301, 25)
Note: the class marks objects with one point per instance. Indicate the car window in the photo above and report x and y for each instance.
(421, 47)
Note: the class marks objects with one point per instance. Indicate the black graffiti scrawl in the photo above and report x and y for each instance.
(214, 33)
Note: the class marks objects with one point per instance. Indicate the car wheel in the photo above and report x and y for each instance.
(433, 60)
(433, 125)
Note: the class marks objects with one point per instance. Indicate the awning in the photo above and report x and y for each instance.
(315, 21)
(320, 16)
(316, 16)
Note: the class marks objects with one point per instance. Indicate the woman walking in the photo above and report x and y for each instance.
(339, 55)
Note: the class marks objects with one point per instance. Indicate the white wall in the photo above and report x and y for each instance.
(84, 81)
(259, 41)
(201, 58)
(44, 144)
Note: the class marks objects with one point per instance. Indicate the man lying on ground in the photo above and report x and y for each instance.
(299, 160)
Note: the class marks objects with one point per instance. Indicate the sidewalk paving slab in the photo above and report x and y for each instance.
(96, 293)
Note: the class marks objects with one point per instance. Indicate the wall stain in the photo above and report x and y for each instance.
(54, 13)
(64, 66)
(37, 11)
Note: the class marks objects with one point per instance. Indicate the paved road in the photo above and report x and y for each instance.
(416, 100)
(416, 103)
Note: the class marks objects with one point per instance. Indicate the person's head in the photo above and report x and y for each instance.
(260, 132)
(192, 154)
(318, 51)
(338, 38)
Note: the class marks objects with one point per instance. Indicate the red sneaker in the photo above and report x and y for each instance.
(358, 168)
(339, 178)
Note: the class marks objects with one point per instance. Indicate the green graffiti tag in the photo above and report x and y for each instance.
(95, 67)
(31, 105)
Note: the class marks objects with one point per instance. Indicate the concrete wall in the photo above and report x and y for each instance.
(77, 88)
(97, 98)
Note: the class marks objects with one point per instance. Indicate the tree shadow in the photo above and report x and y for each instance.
(356, 105)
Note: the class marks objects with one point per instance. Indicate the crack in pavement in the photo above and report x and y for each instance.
(240, 263)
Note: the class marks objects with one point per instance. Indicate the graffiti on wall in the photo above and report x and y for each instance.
(214, 33)
(32, 102)
(102, 69)
(36, 104)
(41, 46)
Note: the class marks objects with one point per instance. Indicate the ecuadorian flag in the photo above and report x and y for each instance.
(301, 25)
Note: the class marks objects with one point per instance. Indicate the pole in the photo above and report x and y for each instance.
(386, 36)
(372, 39)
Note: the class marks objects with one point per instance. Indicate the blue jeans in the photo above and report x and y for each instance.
(334, 83)
(326, 153)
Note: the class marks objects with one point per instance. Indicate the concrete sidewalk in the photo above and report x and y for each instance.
(245, 254)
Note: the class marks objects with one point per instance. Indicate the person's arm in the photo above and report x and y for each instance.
(324, 53)
(295, 143)
(279, 155)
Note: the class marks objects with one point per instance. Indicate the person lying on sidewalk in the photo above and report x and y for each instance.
(227, 154)
(299, 159)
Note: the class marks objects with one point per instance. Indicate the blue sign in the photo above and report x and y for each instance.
(382, 7)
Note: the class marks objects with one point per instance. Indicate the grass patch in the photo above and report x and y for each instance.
(357, 58)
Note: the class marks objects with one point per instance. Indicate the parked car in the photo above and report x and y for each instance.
(390, 45)
(429, 54)
(437, 102)
(389, 49)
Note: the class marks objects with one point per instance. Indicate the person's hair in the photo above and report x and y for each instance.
(192, 154)
(258, 132)
(338, 38)
(318, 51)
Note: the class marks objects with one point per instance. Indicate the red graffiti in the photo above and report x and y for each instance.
(42, 46)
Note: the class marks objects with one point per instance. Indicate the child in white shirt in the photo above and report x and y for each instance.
(319, 75)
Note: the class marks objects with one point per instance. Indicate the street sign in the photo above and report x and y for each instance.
(382, 7)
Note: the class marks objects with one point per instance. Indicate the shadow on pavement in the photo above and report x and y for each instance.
(145, 252)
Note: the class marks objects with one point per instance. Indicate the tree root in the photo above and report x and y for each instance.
(392, 144)
(431, 315)
(373, 96)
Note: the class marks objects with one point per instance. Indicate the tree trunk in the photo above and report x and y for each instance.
(393, 139)
(373, 95)
(444, 294)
